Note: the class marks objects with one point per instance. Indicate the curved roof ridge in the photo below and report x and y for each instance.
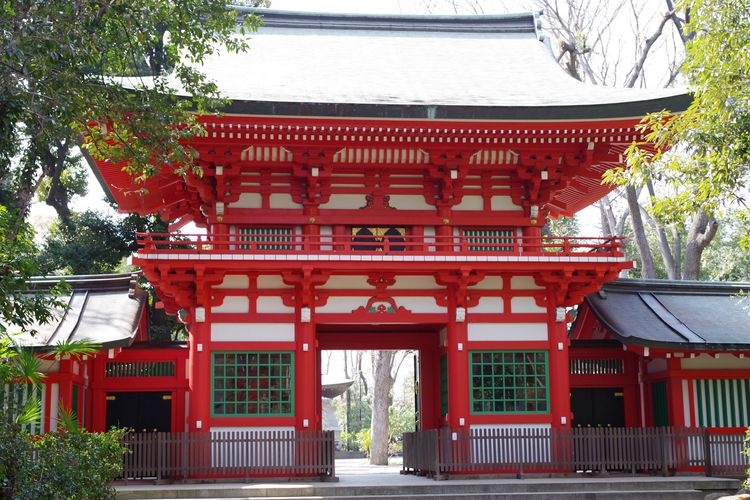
(526, 22)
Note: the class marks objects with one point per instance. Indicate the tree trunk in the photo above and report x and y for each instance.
(382, 364)
(639, 234)
(702, 230)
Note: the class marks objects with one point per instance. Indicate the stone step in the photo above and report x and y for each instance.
(567, 495)
(568, 488)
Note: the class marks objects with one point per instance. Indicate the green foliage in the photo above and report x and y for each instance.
(713, 134)
(727, 258)
(59, 67)
(19, 310)
(746, 451)
(92, 243)
(72, 464)
(363, 440)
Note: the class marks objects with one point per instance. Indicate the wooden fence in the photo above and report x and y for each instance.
(240, 454)
(534, 450)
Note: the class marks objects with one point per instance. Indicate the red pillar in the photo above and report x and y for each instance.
(199, 413)
(429, 387)
(458, 372)
(306, 373)
(675, 406)
(559, 372)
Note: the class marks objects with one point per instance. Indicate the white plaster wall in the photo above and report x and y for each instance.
(409, 202)
(248, 200)
(686, 403)
(272, 305)
(252, 332)
(488, 305)
(525, 305)
(524, 283)
(346, 283)
(709, 362)
(489, 283)
(507, 331)
(471, 202)
(414, 283)
(234, 282)
(421, 305)
(339, 304)
(233, 304)
(271, 281)
(283, 200)
(503, 203)
(345, 202)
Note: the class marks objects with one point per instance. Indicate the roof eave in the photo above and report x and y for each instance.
(617, 110)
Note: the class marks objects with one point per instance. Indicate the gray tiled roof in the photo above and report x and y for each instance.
(105, 309)
(493, 67)
(675, 314)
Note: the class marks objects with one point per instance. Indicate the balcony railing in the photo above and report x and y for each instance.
(306, 245)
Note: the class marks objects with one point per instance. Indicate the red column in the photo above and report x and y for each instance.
(429, 387)
(675, 406)
(199, 368)
(306, 376)
(559, 372)
(458, 372)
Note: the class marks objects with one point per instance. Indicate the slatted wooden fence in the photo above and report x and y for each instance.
(240, 454)
(560, 451)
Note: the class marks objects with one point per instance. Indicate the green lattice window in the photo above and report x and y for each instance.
(509, 382)
(443, 385)
(252, 383)
(489, 240)
(267, 238)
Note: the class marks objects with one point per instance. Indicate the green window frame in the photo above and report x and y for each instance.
(252, 383)
(509, 382)
(489, 240)
(444, 385)
(267, 238)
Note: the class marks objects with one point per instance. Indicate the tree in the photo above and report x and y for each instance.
(386, 365)
(58, 64)
(713, 131)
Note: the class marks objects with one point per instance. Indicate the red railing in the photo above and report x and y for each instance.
(230, 454)
(272, 243)
(521, 451)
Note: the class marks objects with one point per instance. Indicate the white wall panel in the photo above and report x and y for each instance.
(234, 282)
(507, 331)
(233, 304)
(252, 332)
(503, 203)
(272, 305)
(345, 202)
(283, 200)
(471, 202)
(524, 283)
(488, 305)
(525, 305)
(409, 202)
(248, 200)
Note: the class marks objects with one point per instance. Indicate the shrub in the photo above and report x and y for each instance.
(71, 464)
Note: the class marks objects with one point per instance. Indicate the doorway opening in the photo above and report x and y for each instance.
(389, 377)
